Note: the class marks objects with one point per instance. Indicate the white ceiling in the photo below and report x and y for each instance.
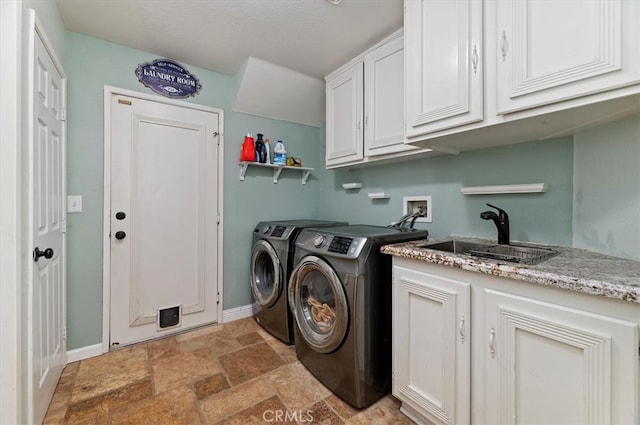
(313, 37)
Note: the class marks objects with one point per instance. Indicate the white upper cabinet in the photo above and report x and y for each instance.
(344, 115)
(551, 51)
(365, 107)
(384, 99)
(444, 64)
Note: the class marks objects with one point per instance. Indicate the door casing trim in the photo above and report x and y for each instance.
(109, 92)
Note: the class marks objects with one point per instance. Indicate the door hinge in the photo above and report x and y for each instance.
(218, 219)
(63, 114)
(218, 298)
(63, 227)
(64, 332)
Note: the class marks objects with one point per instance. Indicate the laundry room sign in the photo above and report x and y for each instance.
(168, 78)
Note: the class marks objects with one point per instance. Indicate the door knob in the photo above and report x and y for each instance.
(120, 215)
(47, 253)
(120, 235)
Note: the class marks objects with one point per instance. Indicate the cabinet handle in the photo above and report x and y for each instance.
(474, 59)
(461, 329)
(504, 46)
(492, 341)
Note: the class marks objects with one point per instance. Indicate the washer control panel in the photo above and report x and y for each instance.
(323, 243)
(340, 245)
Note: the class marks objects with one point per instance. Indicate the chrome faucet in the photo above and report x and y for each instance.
(501, 221)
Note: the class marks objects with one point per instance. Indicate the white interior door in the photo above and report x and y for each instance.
(163, 218)
(46, 290)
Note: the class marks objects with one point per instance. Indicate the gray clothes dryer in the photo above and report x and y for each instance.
(271, 265)
(340, 296)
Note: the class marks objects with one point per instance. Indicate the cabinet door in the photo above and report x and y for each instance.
(344, 116)
(431, 345)
(384, 99)
(553, 51)
(549, 364)
(443, 48)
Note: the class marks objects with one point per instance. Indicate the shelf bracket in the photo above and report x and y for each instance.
(305, 176)
(243, 170)
(276, 174)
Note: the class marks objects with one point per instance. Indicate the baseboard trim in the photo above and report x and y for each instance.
(237, 313)
(84, 353)
(95, 350)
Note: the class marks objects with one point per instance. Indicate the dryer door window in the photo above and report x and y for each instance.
(318, 301)
(266, 274)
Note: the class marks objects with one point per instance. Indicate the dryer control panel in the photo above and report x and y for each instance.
(272, 231)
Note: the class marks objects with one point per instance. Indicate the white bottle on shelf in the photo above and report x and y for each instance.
(280, 154)
(268, 149)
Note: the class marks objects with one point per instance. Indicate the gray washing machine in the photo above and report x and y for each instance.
(340, 296)
(271, 266)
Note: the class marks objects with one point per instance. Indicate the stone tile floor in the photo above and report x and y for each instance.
(235, 373)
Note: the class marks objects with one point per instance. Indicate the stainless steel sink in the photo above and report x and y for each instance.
(455, 246)
(509, 253)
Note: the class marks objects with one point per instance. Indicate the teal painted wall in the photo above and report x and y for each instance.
(91, 64)
(606, 215)
(551, 217)
(544, 217)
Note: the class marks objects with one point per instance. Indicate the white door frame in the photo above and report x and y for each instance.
(110, 91)
(12, 400)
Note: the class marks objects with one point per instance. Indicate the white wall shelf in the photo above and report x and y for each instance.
(277, 170)
(351, 186)
(500, 189)
(379, 195)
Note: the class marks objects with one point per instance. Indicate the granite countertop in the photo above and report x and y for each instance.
(573, 269)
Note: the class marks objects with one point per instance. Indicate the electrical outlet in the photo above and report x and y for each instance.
(74, 204)
(413, 204)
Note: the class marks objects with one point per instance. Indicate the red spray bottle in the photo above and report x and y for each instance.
(248, 150)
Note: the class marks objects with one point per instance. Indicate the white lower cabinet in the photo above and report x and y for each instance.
(432, 346)
(549, 364)
(474, 348)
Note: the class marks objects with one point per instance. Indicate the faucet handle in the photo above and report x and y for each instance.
(500, 210)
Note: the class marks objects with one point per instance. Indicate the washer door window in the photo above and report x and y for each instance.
(266, 274)
(319, 304)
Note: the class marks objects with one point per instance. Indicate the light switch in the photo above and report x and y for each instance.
(74, 204)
